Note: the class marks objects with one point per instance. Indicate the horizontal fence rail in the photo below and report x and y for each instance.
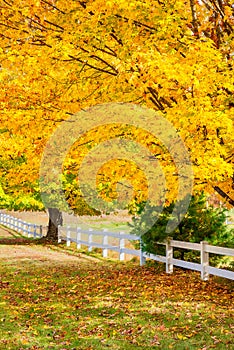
(85, 237)
(20, 226)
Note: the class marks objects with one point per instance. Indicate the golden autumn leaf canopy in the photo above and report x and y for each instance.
(59, 57)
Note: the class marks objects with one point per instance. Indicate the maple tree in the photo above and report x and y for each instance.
(58, 57)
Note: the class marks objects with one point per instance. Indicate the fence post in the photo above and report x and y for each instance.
(40, 231)
(34, 231)
(28, 230)
(25, 228)
(90, 240)
(169, 256)
(19, 227)
(204, 261)
(8, 221)
(105, 243)
(15, 224)
(121, 246)
(142, 258)
(59, 230)
(78, 238)
(11, 223)
(68, 236)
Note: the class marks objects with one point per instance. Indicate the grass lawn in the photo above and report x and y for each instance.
(90, 303)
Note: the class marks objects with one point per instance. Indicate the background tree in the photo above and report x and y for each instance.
(202, 222)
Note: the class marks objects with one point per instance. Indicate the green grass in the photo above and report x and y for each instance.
(110, 305)
(110, 226)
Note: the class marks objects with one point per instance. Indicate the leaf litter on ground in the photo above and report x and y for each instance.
(63, 301)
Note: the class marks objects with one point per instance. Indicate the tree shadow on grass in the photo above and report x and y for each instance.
(20, 240)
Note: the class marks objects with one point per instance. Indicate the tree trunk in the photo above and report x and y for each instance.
(55, 219)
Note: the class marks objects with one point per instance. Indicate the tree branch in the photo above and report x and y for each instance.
(54, 7)
(224, 195)
(91, 66)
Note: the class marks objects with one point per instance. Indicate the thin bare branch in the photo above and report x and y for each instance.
(54, 7)
(91, 66)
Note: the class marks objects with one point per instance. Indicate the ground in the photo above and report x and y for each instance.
(54, 298)
(14, 247)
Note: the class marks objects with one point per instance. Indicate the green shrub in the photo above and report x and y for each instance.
(202, 222)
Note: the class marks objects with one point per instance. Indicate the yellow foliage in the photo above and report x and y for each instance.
(60, 57)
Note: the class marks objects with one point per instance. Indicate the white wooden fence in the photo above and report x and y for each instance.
(86, 237)
(23, 227)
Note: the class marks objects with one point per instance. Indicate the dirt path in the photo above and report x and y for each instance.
(4, 233)
(12, 248)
